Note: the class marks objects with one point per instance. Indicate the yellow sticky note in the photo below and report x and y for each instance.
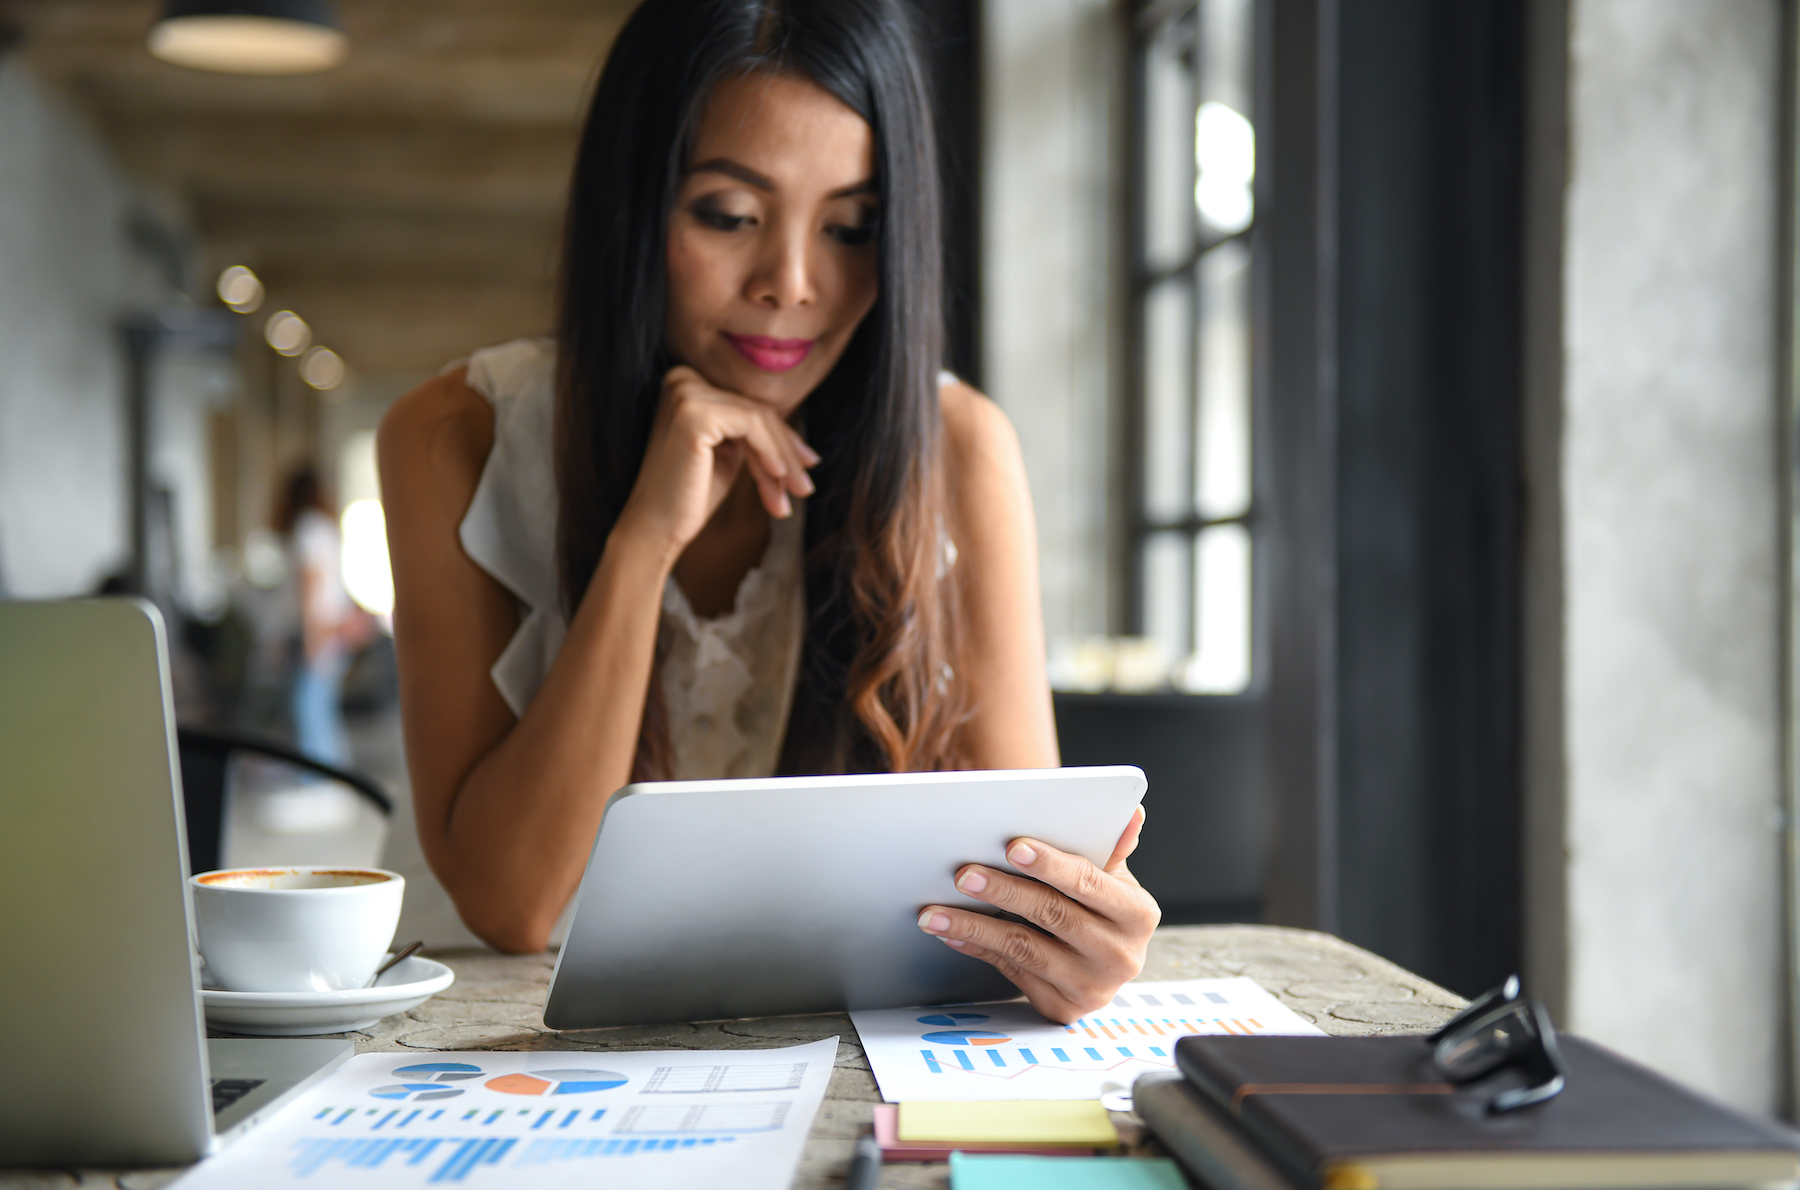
(1077, 1123)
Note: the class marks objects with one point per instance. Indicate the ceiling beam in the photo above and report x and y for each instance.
(427, 165)
(413, 331)
(298, 242)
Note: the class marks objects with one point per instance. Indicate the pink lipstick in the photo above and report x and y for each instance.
(771, 355)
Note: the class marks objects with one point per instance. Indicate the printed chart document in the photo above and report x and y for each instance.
(1006, 1050)
(669, 1119)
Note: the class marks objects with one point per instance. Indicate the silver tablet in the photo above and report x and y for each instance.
(705, 900)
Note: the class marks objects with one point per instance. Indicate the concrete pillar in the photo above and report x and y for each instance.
(1656, 914)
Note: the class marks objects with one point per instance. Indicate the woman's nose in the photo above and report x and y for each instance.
(784, 275)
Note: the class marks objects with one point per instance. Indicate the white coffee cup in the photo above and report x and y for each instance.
(295, 929)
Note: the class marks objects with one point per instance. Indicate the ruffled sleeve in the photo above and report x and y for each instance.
(510, 528)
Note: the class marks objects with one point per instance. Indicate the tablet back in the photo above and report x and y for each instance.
(705, 900)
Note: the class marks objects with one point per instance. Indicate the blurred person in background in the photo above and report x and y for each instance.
(331, 627)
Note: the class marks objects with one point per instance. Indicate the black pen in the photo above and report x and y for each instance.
(865, 1167)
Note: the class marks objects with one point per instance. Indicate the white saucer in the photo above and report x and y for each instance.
(307, 1014)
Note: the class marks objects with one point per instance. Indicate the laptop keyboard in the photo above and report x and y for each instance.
(227, 1091)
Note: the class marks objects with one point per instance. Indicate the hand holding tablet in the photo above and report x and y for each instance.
(706, 900)
(1095, 923)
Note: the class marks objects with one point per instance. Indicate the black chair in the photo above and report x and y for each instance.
(205, 763)
(1204, 843)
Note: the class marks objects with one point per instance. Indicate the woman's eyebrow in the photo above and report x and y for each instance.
(748, 176)
(731, 169)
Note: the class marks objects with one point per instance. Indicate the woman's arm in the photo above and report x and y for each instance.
(507, 809)
(995, 533)
(1099, 919)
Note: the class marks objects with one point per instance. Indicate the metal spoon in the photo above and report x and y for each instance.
(405, 952)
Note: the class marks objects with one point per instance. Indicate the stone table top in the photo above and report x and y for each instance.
(497, 1003)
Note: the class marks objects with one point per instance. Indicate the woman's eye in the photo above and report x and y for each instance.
(721, 220)
(862, 233)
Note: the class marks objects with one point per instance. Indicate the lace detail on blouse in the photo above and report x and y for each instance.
(728, 682)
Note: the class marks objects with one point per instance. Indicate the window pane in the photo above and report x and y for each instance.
(1223, 427)
(1221, 663)
(1169, 101)
(1168, 605)
(1226, 48)
(1168, 411)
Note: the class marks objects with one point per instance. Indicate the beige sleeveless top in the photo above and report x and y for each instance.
(727, 682)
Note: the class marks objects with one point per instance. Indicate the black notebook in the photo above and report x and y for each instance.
(1196, 1130)
(1358, 1113)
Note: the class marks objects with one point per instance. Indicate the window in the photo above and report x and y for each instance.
(1188, 383)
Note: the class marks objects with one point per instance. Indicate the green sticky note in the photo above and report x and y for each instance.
(984, 1172)
(1078, 1123)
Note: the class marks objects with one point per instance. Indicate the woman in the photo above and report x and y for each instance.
(731, 523)
(331, 628)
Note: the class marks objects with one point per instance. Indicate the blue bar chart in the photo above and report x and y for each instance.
(1007, 1050)
(451, 1160)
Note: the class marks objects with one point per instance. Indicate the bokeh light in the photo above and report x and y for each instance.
(287, 332)
(1225, 152)
(322, 368)
(240, 289)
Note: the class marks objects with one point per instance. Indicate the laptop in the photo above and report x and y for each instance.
(102, 1039)
(705, 900)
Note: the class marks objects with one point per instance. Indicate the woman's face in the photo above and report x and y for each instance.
(771, 250)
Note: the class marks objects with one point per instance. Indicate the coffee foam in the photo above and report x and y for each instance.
(286, 879)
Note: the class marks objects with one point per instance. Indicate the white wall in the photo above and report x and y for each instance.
(1048, 173)
(1669, 944)
(66, 270)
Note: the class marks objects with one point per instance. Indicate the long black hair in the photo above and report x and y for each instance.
(874, 689)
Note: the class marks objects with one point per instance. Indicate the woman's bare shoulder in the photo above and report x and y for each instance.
(439, 435)
(982, 446)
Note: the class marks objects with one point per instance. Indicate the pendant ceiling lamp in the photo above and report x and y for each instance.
(250, 36)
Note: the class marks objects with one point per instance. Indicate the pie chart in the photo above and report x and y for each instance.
(416, 1091)
(556, 1082)
(439, 1072)
(967, 1037)
(954, 1020)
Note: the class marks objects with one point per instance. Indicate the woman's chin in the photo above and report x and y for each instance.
(782, 390)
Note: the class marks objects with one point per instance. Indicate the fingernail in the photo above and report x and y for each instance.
(813, 458)
(972, 881)
(806, 484)
(787, 506)
(1022, 854)
(933, 923)
(953, 942)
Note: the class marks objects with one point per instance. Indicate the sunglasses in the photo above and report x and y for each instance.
(1502, 1030)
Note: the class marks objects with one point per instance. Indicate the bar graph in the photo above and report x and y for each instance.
(452, 1160)
(546, 1152)
(456, 1159)
(1152, 1041)
(1006, 1049)
(422, 1119)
